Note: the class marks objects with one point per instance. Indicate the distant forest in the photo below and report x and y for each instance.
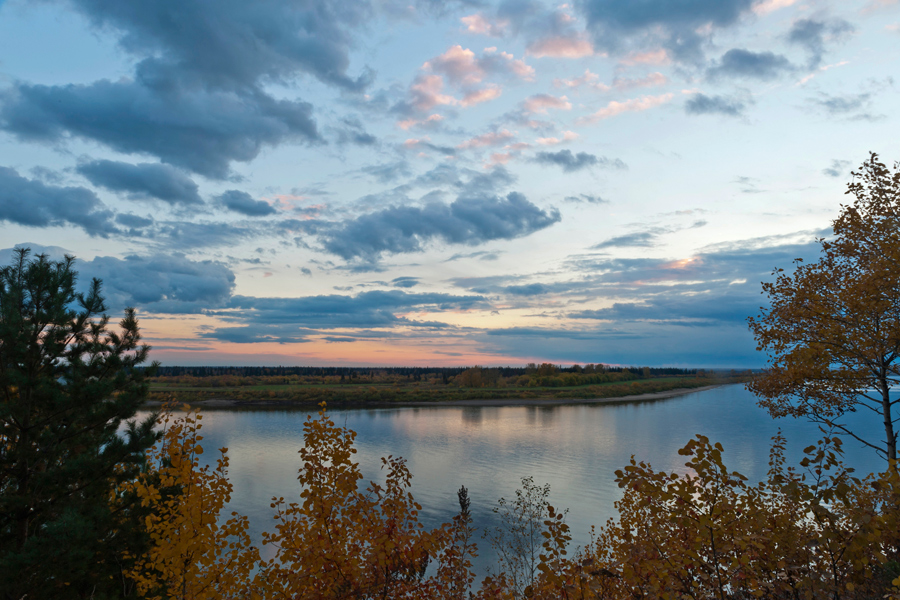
(411, 372)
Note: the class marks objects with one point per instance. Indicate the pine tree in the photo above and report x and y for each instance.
(68, 438)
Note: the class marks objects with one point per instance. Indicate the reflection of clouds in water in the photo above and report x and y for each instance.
(575, 448)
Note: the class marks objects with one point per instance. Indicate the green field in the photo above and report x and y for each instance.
(353, 394)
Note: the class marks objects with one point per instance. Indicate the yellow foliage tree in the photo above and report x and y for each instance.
(344, 542)
(832, 331)
(193, 555)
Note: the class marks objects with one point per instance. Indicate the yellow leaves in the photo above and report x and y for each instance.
(193, 556)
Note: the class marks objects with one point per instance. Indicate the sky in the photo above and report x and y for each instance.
(391, 182)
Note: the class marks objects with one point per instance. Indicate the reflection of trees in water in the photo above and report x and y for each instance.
(472, 415)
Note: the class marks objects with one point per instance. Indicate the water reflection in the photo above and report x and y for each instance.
(575, 448)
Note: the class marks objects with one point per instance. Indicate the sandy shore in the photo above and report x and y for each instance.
(230, 403)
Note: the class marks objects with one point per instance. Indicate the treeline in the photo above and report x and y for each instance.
(371, 372)
(532, 375)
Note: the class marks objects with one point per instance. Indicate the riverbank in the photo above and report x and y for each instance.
(232, 403)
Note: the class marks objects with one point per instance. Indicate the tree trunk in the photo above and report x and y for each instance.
(890, 434)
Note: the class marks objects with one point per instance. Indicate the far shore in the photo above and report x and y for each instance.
(481, 402)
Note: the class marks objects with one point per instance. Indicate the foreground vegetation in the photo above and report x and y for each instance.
(809, 532)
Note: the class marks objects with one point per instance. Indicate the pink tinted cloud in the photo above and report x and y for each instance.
(463, 68)
(541, 103)
(458, 64)
(506, 63)
(493, 138)
(426, 93)
(651, 80)
(634, 105)
(651, 57)
(561, 47)
(480, 24)
(473, 97)
(588, 79)
(568, 136)
(767, 6)
(431, 121)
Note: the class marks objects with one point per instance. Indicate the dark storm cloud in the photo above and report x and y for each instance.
(196, 98)
(588, 198)
(640, 239)
(162, 283)
(844, 104)
(243, 203)
(468, 220)
(812, 34)
(33, 203)
(675, 24)
(388, 172)
(194, 128)
(376, 309)
(575, 162)
(183, 235)
(257, 333)
(133, 221)
(233, 43)
(740, 63)
(405, 282)
(142, 181)
(531, 289)
(838, 168)
(701, 104)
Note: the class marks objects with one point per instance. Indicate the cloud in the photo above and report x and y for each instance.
(575, 162)
(587, 198)
(531, 289)
(701, 104)
(561, 47)
(385, 173)
(651, 80)
(480, 24)
(493, 138)
(233, 44)
(430, 122)
(375, 309)
(243, 203)
(142, 181)
(842, 104)
(405, 282)
(813, 35)
(468, 220)
(641, 239)
(838, 168)
(33, 203)
(541, 103)
(196, 97)
(675, 26)
(485, 94)
(740, 63)
(193, 128)
(615, 108)
(161, 283)
(568, 136)
(426, 92)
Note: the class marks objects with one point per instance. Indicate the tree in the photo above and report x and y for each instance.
(194, 554)
(68, 387)
(832, 331)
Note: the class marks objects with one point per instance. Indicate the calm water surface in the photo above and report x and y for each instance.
(575, 448)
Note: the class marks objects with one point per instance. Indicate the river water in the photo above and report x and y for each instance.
(574, 448)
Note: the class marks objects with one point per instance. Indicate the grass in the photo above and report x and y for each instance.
(352, 394)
